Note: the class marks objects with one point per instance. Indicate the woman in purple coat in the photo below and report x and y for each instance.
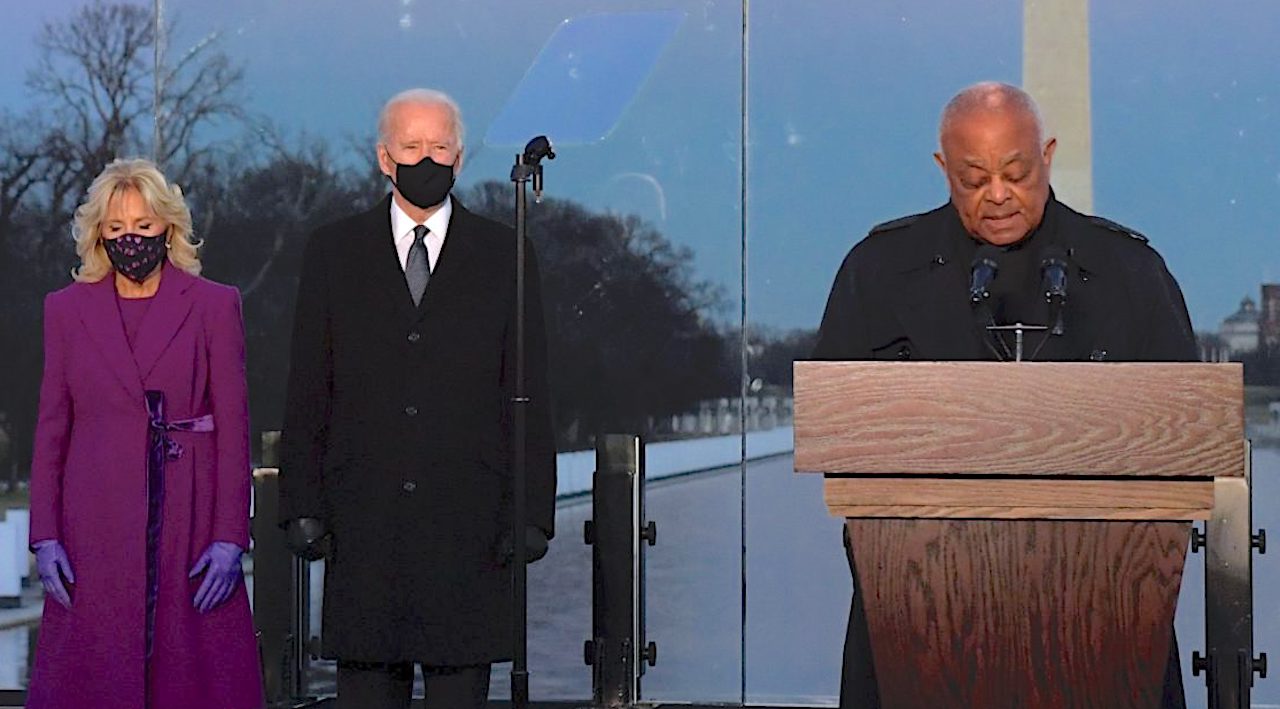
(140, 481)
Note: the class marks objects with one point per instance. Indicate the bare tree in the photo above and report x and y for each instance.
(22, 166)
(201, 87)
(97, 90)
(91, 74)
(96, 78)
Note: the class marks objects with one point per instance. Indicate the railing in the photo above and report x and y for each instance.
(618, 651)
(281, 591)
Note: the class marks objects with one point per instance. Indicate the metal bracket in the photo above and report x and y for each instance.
(281, 590)
(1229, 664)
(618, 652)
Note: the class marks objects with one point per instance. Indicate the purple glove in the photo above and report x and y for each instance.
(221, 562)
(52, 564)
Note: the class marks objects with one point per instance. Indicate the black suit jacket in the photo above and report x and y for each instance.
(397, 436)
(902, 293)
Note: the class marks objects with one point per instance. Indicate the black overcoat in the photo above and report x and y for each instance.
(397, 436)
(902, 293)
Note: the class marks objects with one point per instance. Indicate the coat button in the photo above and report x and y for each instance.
(410, 486)
(415, 336)
(411, 410)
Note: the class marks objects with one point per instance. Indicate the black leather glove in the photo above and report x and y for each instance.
(535, 545)
(307, 538)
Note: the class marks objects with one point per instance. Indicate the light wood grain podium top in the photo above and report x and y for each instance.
(1026, 418)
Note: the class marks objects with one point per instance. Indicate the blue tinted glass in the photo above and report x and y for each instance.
(584, 78)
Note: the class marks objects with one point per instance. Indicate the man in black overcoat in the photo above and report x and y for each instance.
(396, 459)
(903, 292)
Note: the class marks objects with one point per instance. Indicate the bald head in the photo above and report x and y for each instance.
(996, 161)
(991, 97)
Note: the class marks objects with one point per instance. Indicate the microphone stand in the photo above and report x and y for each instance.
(1018, 329)
(527, 168)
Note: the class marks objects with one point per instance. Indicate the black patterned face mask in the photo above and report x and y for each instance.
(136, 256)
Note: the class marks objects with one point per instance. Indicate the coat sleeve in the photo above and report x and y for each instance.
(53, 430)
(229, 399)
(841, 334)
(308, 401)
(540, 444)
(1167, 332)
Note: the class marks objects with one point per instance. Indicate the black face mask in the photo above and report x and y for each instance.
(425, 184)
(136, 256)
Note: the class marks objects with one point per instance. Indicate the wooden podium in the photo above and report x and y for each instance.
(1019, 528)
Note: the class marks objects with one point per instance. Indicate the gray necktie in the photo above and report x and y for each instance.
(417, 271)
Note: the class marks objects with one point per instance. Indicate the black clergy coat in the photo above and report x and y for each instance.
(397, 437)
(902, 293)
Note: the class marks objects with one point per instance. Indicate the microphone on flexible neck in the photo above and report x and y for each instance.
(1053, 280)
(982, 272)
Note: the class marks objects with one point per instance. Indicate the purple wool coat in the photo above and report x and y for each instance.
(89, 491)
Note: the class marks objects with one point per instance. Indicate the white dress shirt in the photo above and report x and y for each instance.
(437, 225)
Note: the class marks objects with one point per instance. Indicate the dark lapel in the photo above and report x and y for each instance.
(101, 317)
(380, 263)
(931, 283)
(455, 259)
(168, 311)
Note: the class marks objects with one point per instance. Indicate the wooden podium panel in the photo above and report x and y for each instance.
(1019, 529)
(1014, 497)
(1037, 418)
(989, 613)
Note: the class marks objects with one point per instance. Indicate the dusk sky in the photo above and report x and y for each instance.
(843, 105)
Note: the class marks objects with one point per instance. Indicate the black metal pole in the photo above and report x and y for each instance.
(519, 667)
(527, 167)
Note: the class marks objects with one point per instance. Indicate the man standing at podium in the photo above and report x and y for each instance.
(969, 281)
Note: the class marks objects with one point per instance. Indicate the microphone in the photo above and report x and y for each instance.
(537, 149)
(534, 151)
(982, 272)
(1053, 279)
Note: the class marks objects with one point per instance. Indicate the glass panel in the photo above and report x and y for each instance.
(584, 77)
(638, 241)
(640, 245)
(856, 144)
(76, 91)
(844, 103)
(1158, 110)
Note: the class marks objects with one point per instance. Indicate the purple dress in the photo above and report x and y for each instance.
(132, 312)
(132, 638)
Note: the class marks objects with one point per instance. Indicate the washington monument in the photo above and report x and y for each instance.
(1055, 71)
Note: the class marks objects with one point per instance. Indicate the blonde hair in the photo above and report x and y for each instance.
(160, 196)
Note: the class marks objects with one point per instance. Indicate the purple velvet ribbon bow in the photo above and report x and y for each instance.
(160, 448)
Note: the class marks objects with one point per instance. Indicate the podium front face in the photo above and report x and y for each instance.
(1013, 613)
(1019, 528)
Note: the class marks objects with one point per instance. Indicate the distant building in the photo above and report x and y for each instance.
(1269, 317)
(1239, 332)
(1212, 347)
